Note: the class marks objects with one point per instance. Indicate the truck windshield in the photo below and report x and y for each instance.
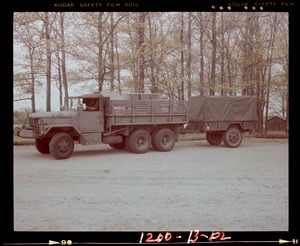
(73, 102)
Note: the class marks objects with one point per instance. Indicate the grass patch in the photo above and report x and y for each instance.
(276, 132)
(17, 138)
(266, 140)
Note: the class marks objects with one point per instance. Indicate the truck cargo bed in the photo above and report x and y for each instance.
(132, 112)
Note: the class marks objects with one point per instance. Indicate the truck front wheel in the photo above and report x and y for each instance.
(214, 138)
(139, 141)
(42, 146)
(232, 138)
(61, 146)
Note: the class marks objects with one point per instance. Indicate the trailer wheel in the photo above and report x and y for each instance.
(214, 138)
(61, 145)
(232, 138)
(163, 140)
(139, 141)
(42, 146)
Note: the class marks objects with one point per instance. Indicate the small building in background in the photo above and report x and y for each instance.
(276, 123)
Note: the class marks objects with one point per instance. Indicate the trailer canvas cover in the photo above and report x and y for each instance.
(222, 108)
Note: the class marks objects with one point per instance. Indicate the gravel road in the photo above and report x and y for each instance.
(194, 186)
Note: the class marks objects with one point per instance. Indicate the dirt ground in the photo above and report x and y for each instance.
(195, 186)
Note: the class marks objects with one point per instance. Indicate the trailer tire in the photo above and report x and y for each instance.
(232, 138)
(214, 138)
(163, 140)
(42, 146)
(61, 146)
(139, 141)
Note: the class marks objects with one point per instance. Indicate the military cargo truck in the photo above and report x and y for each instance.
(139, 121)
(135, 121)
(222, 118)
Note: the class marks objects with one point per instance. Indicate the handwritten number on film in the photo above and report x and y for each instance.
(149, 237)
(194, 236)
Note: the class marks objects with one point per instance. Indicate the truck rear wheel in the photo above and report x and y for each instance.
(214, 138)
(163, 140)
(42, 146)
(139, 141)
(232, 138)
(61, 145)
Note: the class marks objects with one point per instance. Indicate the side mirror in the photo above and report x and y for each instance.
(82, 106)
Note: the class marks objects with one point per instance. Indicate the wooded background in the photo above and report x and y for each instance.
(178, 54)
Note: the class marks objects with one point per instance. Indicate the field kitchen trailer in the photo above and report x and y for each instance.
(138, 121)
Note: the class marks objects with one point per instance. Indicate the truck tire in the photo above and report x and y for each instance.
(61, 146)
(214, 138)
(163, 140)
(42, 146)
(139, 141)
(232, 138)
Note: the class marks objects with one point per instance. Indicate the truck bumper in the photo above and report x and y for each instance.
(25, 133)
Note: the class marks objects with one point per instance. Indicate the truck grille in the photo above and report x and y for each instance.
(31, 121)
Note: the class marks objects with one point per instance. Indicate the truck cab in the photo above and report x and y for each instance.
(90, 113)
(82, 119)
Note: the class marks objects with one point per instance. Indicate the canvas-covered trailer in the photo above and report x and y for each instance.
(223, 118)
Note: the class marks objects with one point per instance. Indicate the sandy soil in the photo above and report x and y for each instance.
(195, 186)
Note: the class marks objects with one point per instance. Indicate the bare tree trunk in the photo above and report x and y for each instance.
(202, 27)
(222, 77)
(141, 48)
(213, 56)
(248, 42)
(202, 90)
(229, 73)
(48, 71)
(100, 52)
(269, 64)
(32, 78)
(151, 58)
(118, 70)
(63, 56)
(181, 90)
(189, 59)
(112, 57)
(59, 83)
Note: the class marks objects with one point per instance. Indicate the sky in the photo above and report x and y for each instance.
(41, 101)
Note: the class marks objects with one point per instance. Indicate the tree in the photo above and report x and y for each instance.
(175, 53)
(27, 34)
(60, 54)
(213, 41)
(47, 29)
(189, 56)
(201, 25)
(141, 52)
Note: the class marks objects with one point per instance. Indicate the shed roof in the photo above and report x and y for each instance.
(276, 116)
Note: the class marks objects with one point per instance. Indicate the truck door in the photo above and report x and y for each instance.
(91, 117)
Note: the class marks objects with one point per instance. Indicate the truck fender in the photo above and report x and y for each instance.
(62, 128)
